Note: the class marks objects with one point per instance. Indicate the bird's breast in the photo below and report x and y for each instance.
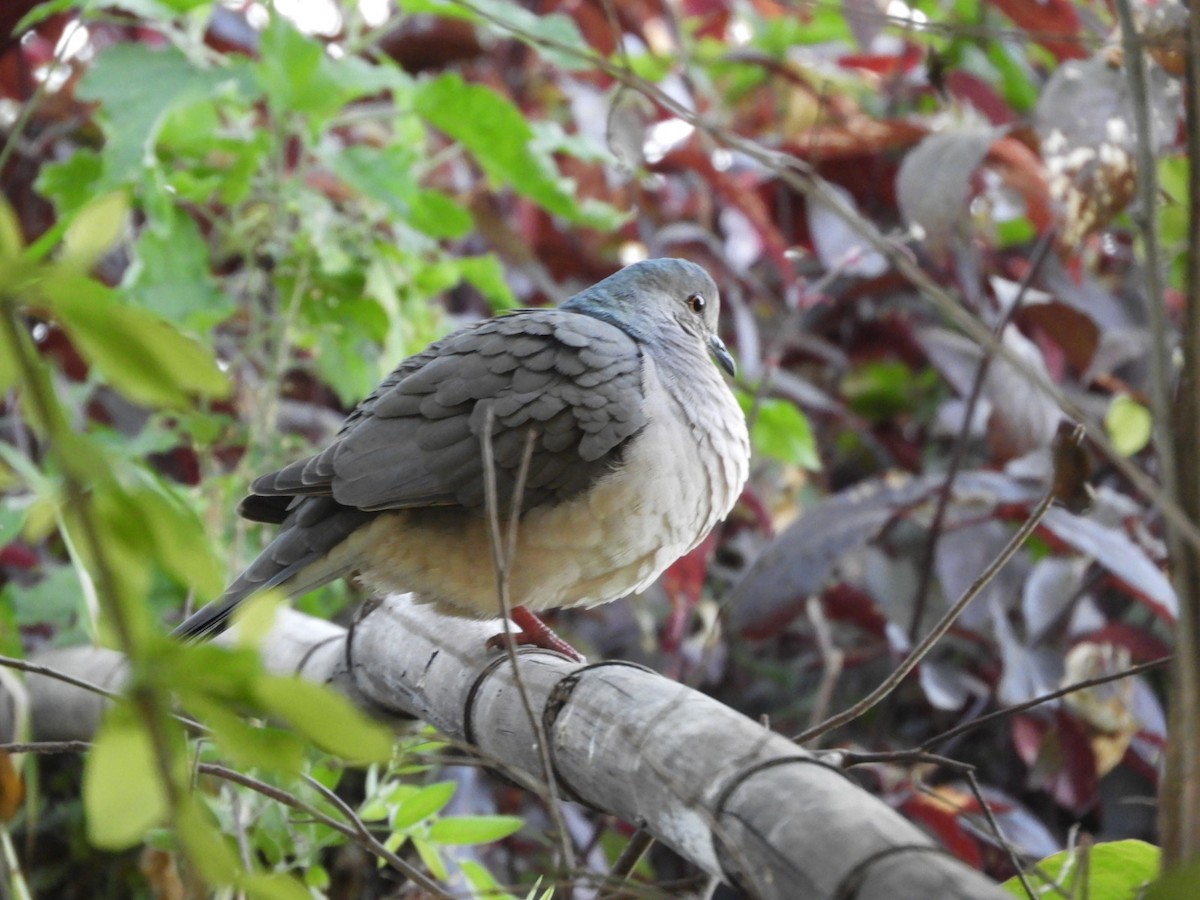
(677, 478)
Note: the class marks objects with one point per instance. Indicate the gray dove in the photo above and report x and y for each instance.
(638, 449)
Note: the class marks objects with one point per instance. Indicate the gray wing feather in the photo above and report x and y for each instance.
(417, 440)
(313, 527)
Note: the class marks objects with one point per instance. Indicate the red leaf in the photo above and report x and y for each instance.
(942, 819)
(1060, 758)
(1052, 23)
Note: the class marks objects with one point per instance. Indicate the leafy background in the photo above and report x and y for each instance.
(223, 223)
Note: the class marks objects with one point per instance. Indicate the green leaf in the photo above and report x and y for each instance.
(1177, 884)
(431, 857)
(10, 372)
(500, 138)
(40, 13)
(426, 802)
(473, 829)
(880, 390)
(55, 598)
(1129, 425)
(141, 355)
(207, 849)
(299, 78)
(11, 241)
(123, 796)
(781, 431)
(482, 881)
(135, 86)
(327, 719)
(385, 175)
(180, 542)
(1117, 870)
(487, 275)
(555, 35)
(274, 886)
(12, 517)
(218, 672)
(72, 182)
(171, 273)
(249, 746)
(94, 229)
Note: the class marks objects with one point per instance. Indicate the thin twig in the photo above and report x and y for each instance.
(832, 657)
(959, 451)
(986, 809)
(939, 630)
(49, 412)
(849, 759)
(503, 554)
(25, 665)
(1045, 698)
(363, 838)
(46, 747)
(627, 862)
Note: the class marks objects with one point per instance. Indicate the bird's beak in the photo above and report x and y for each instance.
(720, 352)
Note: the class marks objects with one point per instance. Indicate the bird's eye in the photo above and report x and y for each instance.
(696, 303)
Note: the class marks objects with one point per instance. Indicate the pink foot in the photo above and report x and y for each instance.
(535, 633)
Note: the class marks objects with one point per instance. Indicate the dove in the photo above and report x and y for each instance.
(632, 445)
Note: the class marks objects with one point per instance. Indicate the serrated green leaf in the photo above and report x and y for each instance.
(122, 795)
(56, 598)
(72, 182)
(94, 229)
(385, 175)
(171, 274)
(1116, 870)
(140, 355)
(426, 802)
(473, 829)
(1129, 425)
(135, 86)
(324, 717)
(500, 138)
(299, 78)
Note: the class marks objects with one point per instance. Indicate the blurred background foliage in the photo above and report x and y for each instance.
(222, 223)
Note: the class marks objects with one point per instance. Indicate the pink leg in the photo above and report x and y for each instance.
(536, 633)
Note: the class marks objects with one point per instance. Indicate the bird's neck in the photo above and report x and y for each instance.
(606, 312)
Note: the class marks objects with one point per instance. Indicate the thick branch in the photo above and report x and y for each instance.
(738, 800)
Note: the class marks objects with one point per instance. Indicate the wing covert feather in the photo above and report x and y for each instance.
(417, 440)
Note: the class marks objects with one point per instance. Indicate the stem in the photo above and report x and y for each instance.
(919, 652)
(49, 413)
(1179, 790)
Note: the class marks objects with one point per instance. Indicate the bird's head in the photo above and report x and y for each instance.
(659, 300)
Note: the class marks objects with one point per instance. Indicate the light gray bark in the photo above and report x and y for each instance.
(740, 801)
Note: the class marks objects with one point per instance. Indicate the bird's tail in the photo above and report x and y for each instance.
(297, 561)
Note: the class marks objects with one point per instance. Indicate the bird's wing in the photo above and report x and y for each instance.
(574, 381)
